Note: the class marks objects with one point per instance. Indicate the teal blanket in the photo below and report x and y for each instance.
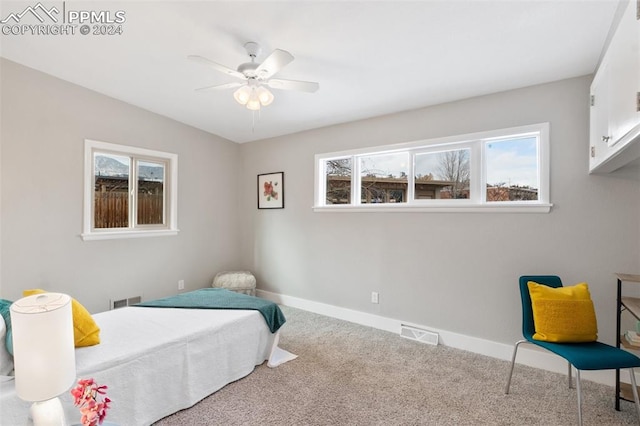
(219, 298)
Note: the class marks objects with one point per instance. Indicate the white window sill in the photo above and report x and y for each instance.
(113, 235)
(467, 208)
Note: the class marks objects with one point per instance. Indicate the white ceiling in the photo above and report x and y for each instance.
(370, 57)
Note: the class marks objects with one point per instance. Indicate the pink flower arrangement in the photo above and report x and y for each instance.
(86, 396)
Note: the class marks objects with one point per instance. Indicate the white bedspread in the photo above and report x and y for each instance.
(157, 361)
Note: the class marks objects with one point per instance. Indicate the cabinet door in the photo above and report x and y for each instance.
(599, 115)
(624, 63)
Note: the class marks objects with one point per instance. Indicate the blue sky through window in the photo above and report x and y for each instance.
(512, 162)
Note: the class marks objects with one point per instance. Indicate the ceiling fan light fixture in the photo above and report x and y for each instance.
(253, 93)
(253, 105)
(254, 102)
(264, 96)
(242, 95)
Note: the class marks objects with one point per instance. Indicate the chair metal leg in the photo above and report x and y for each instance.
(635, 391)
(579, 392)
(569, 375)
(513, 363)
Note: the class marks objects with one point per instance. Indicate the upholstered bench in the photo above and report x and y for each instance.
(238, 281)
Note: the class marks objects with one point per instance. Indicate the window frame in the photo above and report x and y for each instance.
(477, 201)
(136, 154)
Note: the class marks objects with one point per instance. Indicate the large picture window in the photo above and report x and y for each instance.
(501, 170)
(129, 192)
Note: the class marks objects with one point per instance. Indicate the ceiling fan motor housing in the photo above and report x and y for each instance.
(248, 69)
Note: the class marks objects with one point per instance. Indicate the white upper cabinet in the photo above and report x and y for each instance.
(615, 98)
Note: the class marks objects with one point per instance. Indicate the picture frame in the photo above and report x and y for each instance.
(271, 190)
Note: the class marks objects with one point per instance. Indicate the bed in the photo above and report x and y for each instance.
(156, 361)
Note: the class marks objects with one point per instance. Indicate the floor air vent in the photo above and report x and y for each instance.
(115, 304)
(418, 334)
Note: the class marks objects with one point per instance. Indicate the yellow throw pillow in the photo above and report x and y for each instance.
(85, 330)
(563, 314)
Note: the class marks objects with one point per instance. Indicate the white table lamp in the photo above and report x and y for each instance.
(44, 355)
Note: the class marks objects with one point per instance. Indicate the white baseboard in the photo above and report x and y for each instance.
(527, 354)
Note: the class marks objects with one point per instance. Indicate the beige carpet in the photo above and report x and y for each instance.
(348, 374)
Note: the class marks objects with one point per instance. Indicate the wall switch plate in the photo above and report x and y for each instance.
(181, 285)
(374, 297)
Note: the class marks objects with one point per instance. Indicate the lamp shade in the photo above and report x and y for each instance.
(254, 102)
(253, 105)
(43, 346)
(264, 95)
(242, 95)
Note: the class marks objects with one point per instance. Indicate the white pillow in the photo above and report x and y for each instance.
(6, 360)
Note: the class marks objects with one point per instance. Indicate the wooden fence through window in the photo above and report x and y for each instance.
(111, 209)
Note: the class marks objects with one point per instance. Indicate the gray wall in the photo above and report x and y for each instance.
(456, 272)
(44, 123)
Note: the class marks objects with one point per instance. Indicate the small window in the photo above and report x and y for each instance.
(151, 195)
(383, 178)
(338, 181)
(129, 192)
(512, 169)
(442, 175)
(499, 170)
(111, 190)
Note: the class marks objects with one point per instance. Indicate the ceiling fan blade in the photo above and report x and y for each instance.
(220, 86)
(273, 63)
(217, 66)
(301, 86)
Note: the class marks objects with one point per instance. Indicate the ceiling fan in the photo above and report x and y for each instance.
(256, 77)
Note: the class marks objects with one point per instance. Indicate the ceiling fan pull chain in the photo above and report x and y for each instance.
(253, 119)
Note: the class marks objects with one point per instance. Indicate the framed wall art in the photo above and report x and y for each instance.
(271, 191)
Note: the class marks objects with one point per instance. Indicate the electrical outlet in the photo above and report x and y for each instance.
(181, 285)
(374, 297)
